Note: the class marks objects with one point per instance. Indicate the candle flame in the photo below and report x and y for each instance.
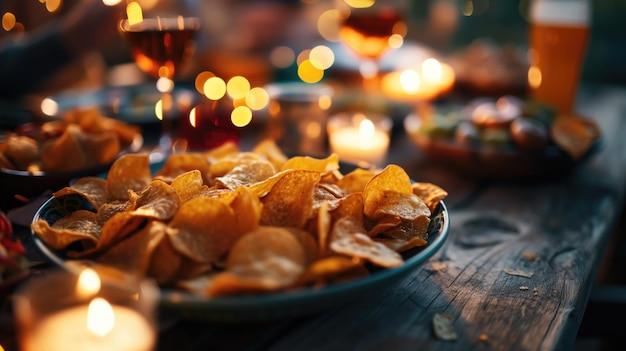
(88, 283)
(100, 317)
(366, 129)
(134, 13)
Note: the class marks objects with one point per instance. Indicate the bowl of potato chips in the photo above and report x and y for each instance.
(246, 236)
(46, 156)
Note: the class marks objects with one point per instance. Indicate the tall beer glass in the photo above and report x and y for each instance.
(558, 38)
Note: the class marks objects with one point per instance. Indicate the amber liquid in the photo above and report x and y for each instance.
(557, 56)
(367, 31)
(159, 47)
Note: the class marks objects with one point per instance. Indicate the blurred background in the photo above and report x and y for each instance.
(238, 37)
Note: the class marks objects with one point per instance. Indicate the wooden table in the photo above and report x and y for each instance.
(566, 222)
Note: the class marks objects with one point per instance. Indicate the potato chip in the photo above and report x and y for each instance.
(109, 209)
(177, 164)
(431, 194)
(188, 184)
(384, 223)
(321, 271)
(401, 245)
(157, 200)
(355, 181)
(324, 222)
(226, 149)
(129, 172)
(350, 206)
(53, 152)
(326, 165)
(408, 230)
(80, 226)
(393, 178)
(204, 229)
(133, 253)
(246, 174)
(112, 231)
(290, 202)
(271, 151)
(267, 259)
(244, 202)
(348, 238)
(402, 205)
(93, 189)
(222, 166)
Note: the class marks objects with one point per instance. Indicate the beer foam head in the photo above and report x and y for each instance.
(563, 12)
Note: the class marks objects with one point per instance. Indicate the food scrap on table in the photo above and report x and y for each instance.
(443, 327)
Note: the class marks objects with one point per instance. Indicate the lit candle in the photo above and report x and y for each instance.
(97, 326)
(66, 311)
(360, 139)
(426, 82)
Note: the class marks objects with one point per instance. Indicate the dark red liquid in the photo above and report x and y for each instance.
(367, 31)
(213, 127)
(163, 43)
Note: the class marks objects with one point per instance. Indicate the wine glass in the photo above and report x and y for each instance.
(370, 28)
(161, 40)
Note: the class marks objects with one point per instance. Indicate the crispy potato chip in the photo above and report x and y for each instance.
(408, 230)
(324, 269)
(324, 222)
(113, 230)
(80, 226)
(178, 164)
(384, 223)
(246, 174)
(431, 194)
(402, 205)
(165, 262)
(158, 200)
(222, 166)
(133, 253)
(355, 181)
(401, 245)
(243, 201)
(188, 184)
(350, 206)
(93, 189)
(326, 165)
(267, 259)
(53, 152)
(204, 229)
(109, 209)
(290, 202)
(129, 172)
(271, 151)
(226, 149)
(348, 238)
(393, 178)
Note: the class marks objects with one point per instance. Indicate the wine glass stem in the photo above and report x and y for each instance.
(165, 140)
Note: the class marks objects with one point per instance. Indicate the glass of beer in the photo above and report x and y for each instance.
(558, 38)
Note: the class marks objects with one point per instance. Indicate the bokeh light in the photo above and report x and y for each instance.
(241, 116)
(214, 88)
(8, 21)
(322, 57)
(238, 87)
(282, 56)
(257, 98)
(309, 73)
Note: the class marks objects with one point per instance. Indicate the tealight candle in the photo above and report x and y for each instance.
(359, 138)
(66, 311)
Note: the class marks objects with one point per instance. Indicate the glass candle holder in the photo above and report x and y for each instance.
(360, 138)
(63, 310)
